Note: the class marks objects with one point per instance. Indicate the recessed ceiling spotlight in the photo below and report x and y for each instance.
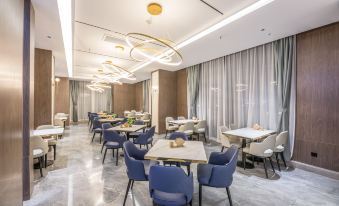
(269, 34)
(50, 37)
(120, 48)
(100, 70)
(263, 29)
(154, 9)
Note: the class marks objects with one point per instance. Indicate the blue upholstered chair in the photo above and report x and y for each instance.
(145, 138)
(136, 134)
(137, 166)
(91, 118)
(97, 128)
(219, 171)
(105, 126)
(173, 136)
(170, 185)
(114, 141)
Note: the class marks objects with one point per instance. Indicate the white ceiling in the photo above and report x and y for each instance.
(179, 20)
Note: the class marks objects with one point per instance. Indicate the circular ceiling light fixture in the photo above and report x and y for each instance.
(148, 48)
(154, 9)
(98, 86)
(118, 72)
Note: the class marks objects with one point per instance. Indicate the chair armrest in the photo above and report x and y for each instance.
(135, 169)
(140, 154)
(222, 175)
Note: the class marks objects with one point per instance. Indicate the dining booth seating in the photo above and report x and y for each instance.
(137, 166)
(170, 185)
(219, 171)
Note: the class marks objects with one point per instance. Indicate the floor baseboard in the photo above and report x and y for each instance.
(317, 170)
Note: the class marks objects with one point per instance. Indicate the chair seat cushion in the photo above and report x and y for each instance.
(146, 120)
(38, 153)
(170, 199)
(52, 142)
(112, 145)
(173, 127)
(97, 130)
(134, 134)
(199, 130)
(188, 132)
(267, 153)
(279, 148)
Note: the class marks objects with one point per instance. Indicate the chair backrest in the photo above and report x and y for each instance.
(47, 126)
(167, 119)
(175, 135)
(112, 136)
(181, 118)
(223, 139)
(170, 180)
(133, 111)
(96, 123)
(260, 148)
(135, 167)
(146, 116)
(36, 142)
(201, 124)
(131, 115)
(151, 131)
(282, 139)
(106, 126)
(139, 122)
(189, 126)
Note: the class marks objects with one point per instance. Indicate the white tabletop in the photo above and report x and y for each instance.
(192, 151)
(249, 133)
(45, 132)
(134, 128)
(183, 121)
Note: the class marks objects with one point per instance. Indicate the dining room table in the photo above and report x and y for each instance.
(191, 151)
(111, 120)
(246, 135)
(183, 121)
(49, 132)
(129, 129)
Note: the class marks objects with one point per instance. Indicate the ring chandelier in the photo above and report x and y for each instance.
(98, 86)
(147, 48)
(117, 72)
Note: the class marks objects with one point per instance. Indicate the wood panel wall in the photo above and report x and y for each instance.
(62, 98)
(123, 98)
(167, 97)
(11, 92)
(139, 102)
(317, 117)
(42, 87)
(181, 92)
(28, 99)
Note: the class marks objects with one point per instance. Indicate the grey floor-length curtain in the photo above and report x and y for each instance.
(285, 65)
(193, 79)
(74, 95)
(146, 95)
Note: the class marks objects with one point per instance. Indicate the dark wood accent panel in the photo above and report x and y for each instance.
(28, 99)
(123, 98)
(139, 102)
(62, 99)
(181, 92)
(317, 117)
(167, 97)
(42, 87)
(11, 92)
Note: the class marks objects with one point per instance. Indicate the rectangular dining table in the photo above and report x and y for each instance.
(113, 120)
(192, 151)
(248, 134)
(47, 132)
(127, 130)
(183, 121)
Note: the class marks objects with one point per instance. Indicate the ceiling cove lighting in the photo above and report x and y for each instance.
(65, 15)
(253, 7)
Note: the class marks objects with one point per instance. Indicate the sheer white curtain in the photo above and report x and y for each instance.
(240, 90)
(91, 101)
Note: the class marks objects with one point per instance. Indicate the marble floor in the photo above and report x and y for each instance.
(78, 177)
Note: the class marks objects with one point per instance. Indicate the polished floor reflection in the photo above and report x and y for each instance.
(78, 178)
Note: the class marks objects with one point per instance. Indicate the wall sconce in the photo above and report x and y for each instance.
(155, 89)
(57, 80)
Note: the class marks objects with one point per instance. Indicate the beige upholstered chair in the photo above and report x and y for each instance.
(146, 118)
(187, 128)
(279, 148)
(131, 115)
(181, 118)
(52, 140)
(39, 149)
(227, 142)
(200, 128)
(262, 150)
(169, 127)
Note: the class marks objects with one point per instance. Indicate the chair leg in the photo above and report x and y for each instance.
(222, 148)
(40, 166)
(100, 137)
(147, 146)
(103, 160)
(132, 184)
(93, 136)
(277, 158)
(103, 144)
(45, 160)
(265, 167)
(271, 164)
(188, 169)
(283, 158)
(200, 194)
(205, 137)
(244, 160)
(166, 133)
(229, 196)
(128, 186)
(54, 152)
(117, 156)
